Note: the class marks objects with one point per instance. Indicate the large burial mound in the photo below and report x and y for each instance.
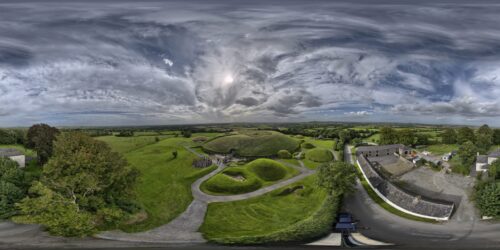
(247, 178)
(252, 143)
(319, 155)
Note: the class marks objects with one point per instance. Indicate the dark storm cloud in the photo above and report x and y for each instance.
(197, 61)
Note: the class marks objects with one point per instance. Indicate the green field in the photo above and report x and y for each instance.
(21, 148)
(319, 155)
(252, 143)
(440, 149)
(164, 187)
(250, 177)
(264, 214)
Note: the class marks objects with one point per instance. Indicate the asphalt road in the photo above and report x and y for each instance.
(377, 223)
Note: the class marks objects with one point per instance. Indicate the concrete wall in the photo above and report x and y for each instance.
(20, 159)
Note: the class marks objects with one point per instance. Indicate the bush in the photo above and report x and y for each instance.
(267, 170)
(307, 145)
(319, 155)
(284, 154)
(316, 226)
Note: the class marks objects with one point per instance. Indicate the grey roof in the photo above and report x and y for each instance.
(494, 154)
(482, 159)
(7, 152)
(381, 147)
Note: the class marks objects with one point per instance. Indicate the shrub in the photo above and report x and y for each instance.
(307, 145)
(284, 154)
(316, 226)
(319, 155)
(267, 170)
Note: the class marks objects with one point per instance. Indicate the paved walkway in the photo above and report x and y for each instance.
(184, 229)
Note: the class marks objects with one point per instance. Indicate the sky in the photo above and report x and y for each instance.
(99, 63)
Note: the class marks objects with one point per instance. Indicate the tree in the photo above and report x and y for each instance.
(40, 137)
(496, 136)
(449, 136)
(86, 176)
(388, 136)
(487, 195)
(484, 138)
(406, 137)
(494, 170)
(422, 139)
(186, 133)
(337, 178)
(465, 134)
(467, 152)
(13, 186)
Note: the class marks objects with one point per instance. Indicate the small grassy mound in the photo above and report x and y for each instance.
(319, 155)
(307, 145)
(284, 154)
(250, 177)
(255, 143)
(267, 170)
(228, 183)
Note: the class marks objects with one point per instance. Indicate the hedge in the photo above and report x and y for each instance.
(317, 225)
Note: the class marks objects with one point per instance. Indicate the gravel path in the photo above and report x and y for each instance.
(184, 229)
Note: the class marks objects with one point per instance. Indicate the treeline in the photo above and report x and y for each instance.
(483, 138)
(12, 136)
(404, 136)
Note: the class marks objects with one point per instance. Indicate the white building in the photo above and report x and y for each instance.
(14, 155)
(483, 161)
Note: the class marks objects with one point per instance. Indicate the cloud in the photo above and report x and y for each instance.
(158, 63)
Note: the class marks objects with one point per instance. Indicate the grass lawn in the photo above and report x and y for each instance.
(319, 155)
(21, 148)
(250, 177)
(264, 214)
(254, 143)
(440, 149)
(311, 164)
(164, 187)
(374, 138)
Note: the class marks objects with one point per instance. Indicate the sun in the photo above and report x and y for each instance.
(228, 79)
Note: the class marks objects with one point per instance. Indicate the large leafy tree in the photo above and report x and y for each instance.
(40, 137)
(487, 196)
(13, 186)
(449, 136)
(406, 137)
(494, 170)
(87, 174)
(467, 152)
(496, 136)
(337, 178)
(465, 134)
(484, 138)
(388, 136)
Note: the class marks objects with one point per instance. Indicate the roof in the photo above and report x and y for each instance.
(482, 159)
(494, 154)
(381, 147)
(7, 152)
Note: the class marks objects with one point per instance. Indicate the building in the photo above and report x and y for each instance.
(14, 155)
(384, 150)
(483, 161)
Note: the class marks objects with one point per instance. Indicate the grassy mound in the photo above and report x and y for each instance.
(307, 145)
(319, 155)
(267, 170)
(250, 177)
(284, 154)
(255, 143)
(228, 183)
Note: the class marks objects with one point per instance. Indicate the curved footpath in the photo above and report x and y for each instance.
(184, 229)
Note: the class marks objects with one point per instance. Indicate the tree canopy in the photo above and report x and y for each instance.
(40, 137)
(13, 186)
(467, 152)
(89, 176)
(337, 177)
(465, 134)
(449, 136)
(487, 197)
(484, 138)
